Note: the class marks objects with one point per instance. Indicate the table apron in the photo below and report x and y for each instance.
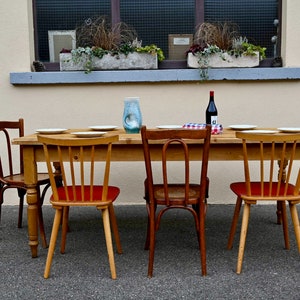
(134, 152)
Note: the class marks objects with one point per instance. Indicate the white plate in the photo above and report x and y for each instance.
(103, 127)
(51, 130)
(242, 127)
(84, 134)
(289, 129)
(261, 131)
(169, 126)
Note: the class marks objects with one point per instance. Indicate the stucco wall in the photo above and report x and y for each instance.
(264, 103)
(290, 33)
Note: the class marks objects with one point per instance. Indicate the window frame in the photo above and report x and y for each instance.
(166, 64)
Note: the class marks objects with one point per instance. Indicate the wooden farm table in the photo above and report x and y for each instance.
(224, 147)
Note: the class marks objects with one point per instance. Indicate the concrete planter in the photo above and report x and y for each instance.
(108, 62)
(226, 61)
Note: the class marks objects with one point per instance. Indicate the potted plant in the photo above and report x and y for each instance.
(101, 46)
(220, 46)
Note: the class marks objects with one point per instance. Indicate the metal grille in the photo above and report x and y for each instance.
(255, 18)
(64, 15)
(155, 20)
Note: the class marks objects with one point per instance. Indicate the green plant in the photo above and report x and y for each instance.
(203, 59)
(96, 38)
(152, 49)
(86, 54)
(220, 39)
(241, 46)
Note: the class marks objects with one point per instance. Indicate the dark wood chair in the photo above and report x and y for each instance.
(82, 185)
(15, 180)
(266, 182)
(167, 194)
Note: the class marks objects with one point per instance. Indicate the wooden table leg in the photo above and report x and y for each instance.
(30, 178)
(32, 219)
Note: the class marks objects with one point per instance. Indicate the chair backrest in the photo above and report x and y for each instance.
(6, 128)
(276, 170)
(179, 140)
(77, 158)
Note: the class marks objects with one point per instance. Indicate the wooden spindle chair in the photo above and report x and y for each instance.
(81, 186)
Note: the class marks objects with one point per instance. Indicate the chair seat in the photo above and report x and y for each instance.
(18, 179)
(239, 188)
(112, 194)
(177, 193)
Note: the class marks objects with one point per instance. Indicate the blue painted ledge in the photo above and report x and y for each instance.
(170, 75)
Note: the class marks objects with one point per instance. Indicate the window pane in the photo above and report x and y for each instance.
(254, 17)
(155, 20)
(64, 15)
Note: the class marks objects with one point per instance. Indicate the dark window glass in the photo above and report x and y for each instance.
(155, 20)
(255, 18)
(64, 15)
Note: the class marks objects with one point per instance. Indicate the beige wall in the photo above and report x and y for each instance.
(264, 103)
(290, 33)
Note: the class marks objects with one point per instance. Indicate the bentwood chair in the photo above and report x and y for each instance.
(266, 182)
(15, 180)
(166, 194)
(82, 185)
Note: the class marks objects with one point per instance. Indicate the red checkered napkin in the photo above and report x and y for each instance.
(215, 129)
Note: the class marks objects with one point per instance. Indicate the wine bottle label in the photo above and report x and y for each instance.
(214, 120)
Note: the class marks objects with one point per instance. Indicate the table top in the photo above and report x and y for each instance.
(226, 137)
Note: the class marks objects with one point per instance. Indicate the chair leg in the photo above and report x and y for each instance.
(64, 231)
(234, 222)
(147, 242)
(55, 228)
(202, 238)
(151, 241)
(115, 230)
(245, 222)
(45, 189)
(279, 213)
(295, 219)
(284, 225)
(108, 239)
(1, 200)
(40, 212)
(41, 226)
(21, 194)
(41, 219)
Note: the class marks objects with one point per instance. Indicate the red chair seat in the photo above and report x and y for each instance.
(239, 188)
(112, 194)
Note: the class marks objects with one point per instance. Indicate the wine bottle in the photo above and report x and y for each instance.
(211, 110)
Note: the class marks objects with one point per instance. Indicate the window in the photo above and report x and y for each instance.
(158, 20)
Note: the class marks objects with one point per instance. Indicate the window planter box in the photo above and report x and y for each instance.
(131, 61)
(226, 61)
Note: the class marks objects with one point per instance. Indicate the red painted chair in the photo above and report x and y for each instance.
(82, 186)
(267, 183)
